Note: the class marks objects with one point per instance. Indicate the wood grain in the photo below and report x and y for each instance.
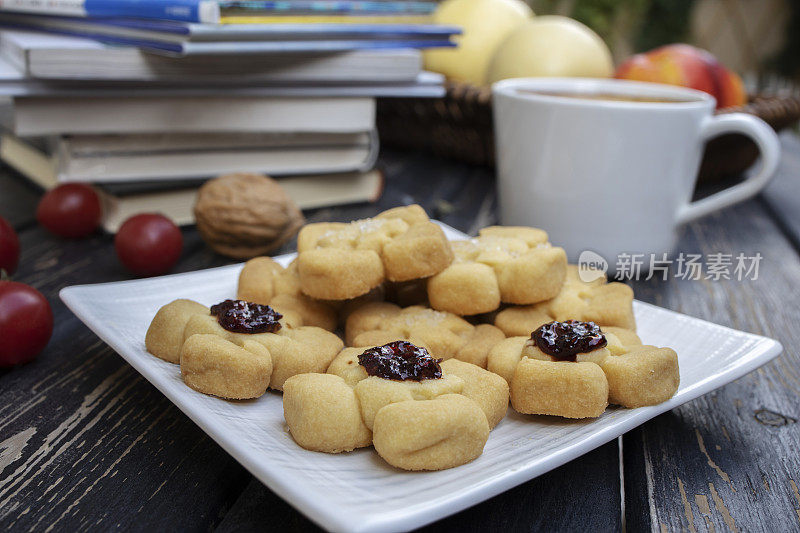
(18, 199)
(781, 197)
(85, 443)
(725, 462)
(547, 503)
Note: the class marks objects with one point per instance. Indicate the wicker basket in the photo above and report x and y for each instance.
(459, 126)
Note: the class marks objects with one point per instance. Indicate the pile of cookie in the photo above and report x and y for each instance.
(383, 333)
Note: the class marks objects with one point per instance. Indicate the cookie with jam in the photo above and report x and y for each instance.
(605, 304)
(442, 333)
(262, 280)
(213, 365)
(237, 349)
(512, 265)
(574, 369)
(338, 261)
(418, 412)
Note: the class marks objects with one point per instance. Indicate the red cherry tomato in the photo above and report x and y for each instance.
(148, 244)
(71, 211)
(9, 247)
(26, 323)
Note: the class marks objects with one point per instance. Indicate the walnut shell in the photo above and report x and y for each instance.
(243, 215)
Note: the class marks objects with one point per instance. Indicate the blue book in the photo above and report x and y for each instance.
(211, 11)
(325, 7)
(184, 38)
(181, 10)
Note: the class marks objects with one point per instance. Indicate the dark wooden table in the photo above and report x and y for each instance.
(87, 444)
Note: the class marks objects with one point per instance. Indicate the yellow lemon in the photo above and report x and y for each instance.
(485, 23)
(551, 46)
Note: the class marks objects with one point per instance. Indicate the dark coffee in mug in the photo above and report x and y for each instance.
(607, 96)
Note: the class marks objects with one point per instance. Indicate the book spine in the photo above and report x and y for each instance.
(167, 48)
(238, 18)
(327, 6)
(47, 116)
(73, 8)
(372, 155)
(12, 53)
(176, 10)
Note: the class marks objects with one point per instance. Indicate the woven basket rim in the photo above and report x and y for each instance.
(757, 101)
(459, 125)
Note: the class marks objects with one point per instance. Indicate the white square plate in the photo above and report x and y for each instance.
(357, 491)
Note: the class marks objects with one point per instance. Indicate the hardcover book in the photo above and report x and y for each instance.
(189, 39)
(217, 11)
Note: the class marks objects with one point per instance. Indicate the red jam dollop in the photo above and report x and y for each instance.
(400, 361)
(564, 340)
(239, 316)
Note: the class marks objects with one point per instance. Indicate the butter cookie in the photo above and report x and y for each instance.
(605, 304)
(264, 281)
(419, 415)
(443, 334)
(338, 261)
(236, 326)
(515, 265)
(574, 369)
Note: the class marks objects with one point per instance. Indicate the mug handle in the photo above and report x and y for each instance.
(767, 141)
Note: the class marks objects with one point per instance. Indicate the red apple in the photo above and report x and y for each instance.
(687, 66)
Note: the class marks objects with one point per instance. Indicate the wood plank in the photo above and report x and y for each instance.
(728, 460)
(781, 196)
(450, 192)
(95, 432)
(459, 195)
(98, 447)
(551, 501)
(18, 198)
(85, 441)
(547, 503)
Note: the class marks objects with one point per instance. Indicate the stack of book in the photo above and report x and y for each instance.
(146, 108)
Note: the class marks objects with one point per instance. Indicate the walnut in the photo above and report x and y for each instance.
(244, 215)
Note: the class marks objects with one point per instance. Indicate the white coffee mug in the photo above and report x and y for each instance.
(612, 176)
